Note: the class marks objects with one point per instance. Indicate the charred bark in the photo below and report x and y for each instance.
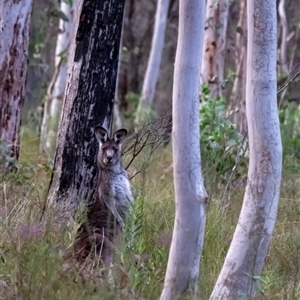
(88, 101)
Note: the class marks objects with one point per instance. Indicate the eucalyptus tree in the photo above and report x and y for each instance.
(190, 195)
(212, 68)
(88, 101)
(238, 94)
(56, 88)
(14, 32)
(240, 275)
(152, 71)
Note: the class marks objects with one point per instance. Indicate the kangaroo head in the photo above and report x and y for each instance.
(109, 153)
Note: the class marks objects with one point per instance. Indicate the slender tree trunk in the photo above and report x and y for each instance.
(14, 32)
(56, 89)
(283, 46)
(118, 94)
(237, 105)
(284, 34)
(245, 259)
(212, 69)
(89, 100)
(190, 195)
(157, 46)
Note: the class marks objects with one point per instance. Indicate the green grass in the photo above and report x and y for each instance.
(32, 263)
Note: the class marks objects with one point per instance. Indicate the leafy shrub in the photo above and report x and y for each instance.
(5, 156)
(220, 139)
(290, 133)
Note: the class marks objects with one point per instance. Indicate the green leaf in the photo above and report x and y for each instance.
(70, 2)
(240, 30)
(63, 16)
(215, 146)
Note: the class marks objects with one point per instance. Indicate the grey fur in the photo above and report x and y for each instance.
(106, 218)
(113, 185)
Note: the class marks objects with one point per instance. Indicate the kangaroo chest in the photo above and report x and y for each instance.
(116, 186)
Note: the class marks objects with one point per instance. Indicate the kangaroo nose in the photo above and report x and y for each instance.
(109, 156)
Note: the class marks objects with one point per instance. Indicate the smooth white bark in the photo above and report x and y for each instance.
(190, 195)
(284, 34)
(56, 89)
(212, 69)
(247, 252)
(157, 46)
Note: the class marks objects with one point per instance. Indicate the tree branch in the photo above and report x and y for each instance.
(290, 80)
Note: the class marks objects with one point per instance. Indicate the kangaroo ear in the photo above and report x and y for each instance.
(101, 134)
(120, 136)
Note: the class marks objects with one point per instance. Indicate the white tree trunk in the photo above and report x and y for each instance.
(284, 34)
(117, 121)
(56, 89)
(212, 69)
(157, 46)
(14, 40)
(247, 252)
(190, 195)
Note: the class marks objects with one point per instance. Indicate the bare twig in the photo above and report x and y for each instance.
(147, 137)
(136, 173)
(290, 80)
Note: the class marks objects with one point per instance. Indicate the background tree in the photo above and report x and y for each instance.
(14, 23)
(284, 33)
(190, 195)
(240, 274)
(237, 107)
(88, 101)
(212, 68)
(139, 23)
(152, 71)
(56, 89)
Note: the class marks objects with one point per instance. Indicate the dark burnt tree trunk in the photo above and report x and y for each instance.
(88, 101)
(14, 33)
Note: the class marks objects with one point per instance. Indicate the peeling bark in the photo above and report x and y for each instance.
(245, 259)
(237, 107)
(212, 69)
(89, 100)
(14, 32)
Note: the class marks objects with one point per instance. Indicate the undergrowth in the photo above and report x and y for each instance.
(32, 261)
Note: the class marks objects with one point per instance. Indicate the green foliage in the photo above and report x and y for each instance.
(240, 30)
(220, 140)
(145, 115)
(290, 134)
(133, 99)
(132, 111)
(5, 156)
(32, 261)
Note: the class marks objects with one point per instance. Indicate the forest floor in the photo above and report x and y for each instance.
(32, 263)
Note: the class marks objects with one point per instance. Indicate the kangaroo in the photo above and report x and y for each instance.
(113, 185)
(106, 218)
